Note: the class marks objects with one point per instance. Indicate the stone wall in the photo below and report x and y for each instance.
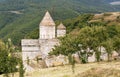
(30, 48)
(47, 46)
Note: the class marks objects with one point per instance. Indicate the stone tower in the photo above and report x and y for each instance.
(47, 27)
(61, 30)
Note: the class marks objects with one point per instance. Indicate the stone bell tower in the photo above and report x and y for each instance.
(47, 27)
(61, 30)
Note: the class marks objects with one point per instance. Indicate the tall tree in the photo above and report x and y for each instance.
(108, 44)
(8, 61)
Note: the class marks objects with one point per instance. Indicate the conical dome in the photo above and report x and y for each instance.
(47, 20)
(61, 26)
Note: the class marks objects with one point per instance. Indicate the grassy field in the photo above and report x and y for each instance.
(102, 69)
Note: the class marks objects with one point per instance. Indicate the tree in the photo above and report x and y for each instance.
(2, 45)
(8, 61)
(116, 44)
(92, 38)
(66, 46)
(21, 69)
(72, 62)
(108, 44)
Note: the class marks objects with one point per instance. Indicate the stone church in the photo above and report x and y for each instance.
(48, 33)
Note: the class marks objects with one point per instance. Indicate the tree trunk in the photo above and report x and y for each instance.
(108, 57)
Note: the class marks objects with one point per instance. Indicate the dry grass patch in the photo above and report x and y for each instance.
(81, 70)
(100, 72)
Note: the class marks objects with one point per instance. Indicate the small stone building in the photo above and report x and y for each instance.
(48, 33)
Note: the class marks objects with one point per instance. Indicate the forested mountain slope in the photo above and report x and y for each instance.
(19, 17)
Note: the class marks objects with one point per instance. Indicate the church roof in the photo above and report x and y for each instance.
(61, 26)
(47, 20)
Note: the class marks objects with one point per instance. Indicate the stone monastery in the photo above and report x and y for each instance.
(48, 33)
